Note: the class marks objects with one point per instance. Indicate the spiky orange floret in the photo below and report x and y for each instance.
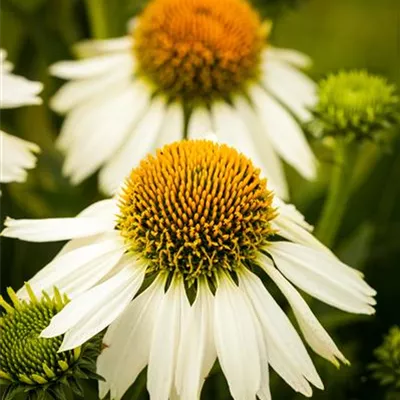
(197, 207)
(199, 49)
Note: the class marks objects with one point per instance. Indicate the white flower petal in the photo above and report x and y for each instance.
(92, 311)
(88, 117)
(89, 67)
(165, 341)
(75, 93)
(289, 211)
(315, 335)
(197, 352)
(102, 208)
(294, 89)
(141, 142)
(90, 303)
(286, 352)
(18, 91)
(16, 156)
(291, 225)
(127, 342)
(231, 129)
(6, 66)
(290, 56)
(236, 340)
(77, 243)
(90, 48)
(172, 128)
(299, 81)
(55, 229)
(295, 233)
(12, 173)
(108, 126)
(131, 25)
(200, 123)
(323, 276)
(284, 133)
(264, 392)
(79, 269)
(272, 164)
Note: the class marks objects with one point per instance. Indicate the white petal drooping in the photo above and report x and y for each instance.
(235, 335)
(165, 341)
(323, 276)
(314, 333)
(286, 352)
(197, 348)
(127, 342)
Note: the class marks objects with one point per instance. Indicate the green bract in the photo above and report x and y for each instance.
(30, 363)
(355, 102)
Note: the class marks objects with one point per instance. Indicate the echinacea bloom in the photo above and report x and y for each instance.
(16, 154)
(199, 223)
(186, 67)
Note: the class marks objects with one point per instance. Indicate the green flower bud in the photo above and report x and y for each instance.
(387, 368)
(31, 364)
(355, 103)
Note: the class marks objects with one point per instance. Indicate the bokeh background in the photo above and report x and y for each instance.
(336, 34)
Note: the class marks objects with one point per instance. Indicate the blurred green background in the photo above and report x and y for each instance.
(336, 34)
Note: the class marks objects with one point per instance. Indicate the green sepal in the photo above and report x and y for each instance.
(59, 393)
(80, 374)
(76, 387)
(11, 391)
(94, 376)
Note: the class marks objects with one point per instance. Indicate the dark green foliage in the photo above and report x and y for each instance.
(386, 369)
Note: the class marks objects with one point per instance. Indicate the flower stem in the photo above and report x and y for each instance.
(97, 14)
(338, 194)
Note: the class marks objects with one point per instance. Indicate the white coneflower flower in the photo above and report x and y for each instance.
(16, 154)
(187, 66)
(199, 221)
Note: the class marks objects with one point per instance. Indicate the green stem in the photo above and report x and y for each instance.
(367, 159)
(338, 194)
(97, 14)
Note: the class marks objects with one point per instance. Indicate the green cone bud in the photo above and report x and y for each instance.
(355, 103)
(32, 364)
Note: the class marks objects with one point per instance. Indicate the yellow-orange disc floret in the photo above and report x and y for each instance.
(198, 50)
(197, 207)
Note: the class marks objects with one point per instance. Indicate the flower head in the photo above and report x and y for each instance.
(356, 102)
(199, 223)
(17, 154)
(186, 67)
(199, 50)
(196, 208)
(32, 364)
